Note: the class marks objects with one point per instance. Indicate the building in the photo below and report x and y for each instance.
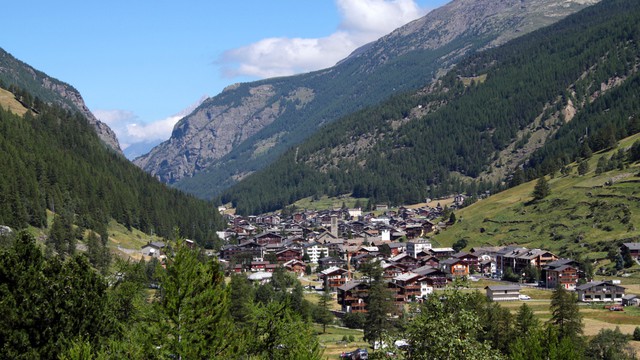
(454, 267)
(563, 272)
(503, 292)
(153, 249)
(352, 295)
(416, 246)
(315, 252)
(633, 248)
(600, 291)
(333, 277)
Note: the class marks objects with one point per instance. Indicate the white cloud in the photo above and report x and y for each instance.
(362, 21)
(131, 130)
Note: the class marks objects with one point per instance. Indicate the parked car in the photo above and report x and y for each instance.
(358, 354)
(524, 297)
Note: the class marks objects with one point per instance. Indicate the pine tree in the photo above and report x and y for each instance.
(322, 314)
(380, 304)
(194, 307)
(541, 190)
(565, 315)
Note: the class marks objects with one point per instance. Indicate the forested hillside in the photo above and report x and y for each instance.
(452, 136)
(51, 159)
(250, 125)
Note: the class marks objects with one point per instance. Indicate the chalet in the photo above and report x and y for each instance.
(407, 287)
(428, 259)
(503, 292)
(268, 238)
(327, 262)
(288, 254)
(563, 272)
(633, 248)
(470, 260)
(600, 291)
(396, 248)
(390, 271)
(405, 260)
(442, 253)
(435, 278)
(333, 277)
(352, 295)
(247, 249)
(519, 258)
(259, 266)
(153, 249)
(295, 266)
(454, 267)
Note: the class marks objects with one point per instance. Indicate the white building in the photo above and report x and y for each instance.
(415, 247)
(316, 251)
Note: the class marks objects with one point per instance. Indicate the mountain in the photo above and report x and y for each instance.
(53, 161)
(52, 91)
(249, 125)
(517, 111)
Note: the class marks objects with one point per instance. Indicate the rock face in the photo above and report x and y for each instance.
(50, 90)
(247, 126)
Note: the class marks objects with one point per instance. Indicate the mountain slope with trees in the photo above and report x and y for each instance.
(453, 136)
(51, 159)
(250, 125)
(36, 84)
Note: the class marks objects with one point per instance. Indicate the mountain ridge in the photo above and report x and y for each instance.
(249, 125)
(53, 91)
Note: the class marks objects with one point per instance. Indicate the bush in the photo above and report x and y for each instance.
(636, 334)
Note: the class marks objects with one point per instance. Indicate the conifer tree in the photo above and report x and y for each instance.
(565, 315)
(541, 190)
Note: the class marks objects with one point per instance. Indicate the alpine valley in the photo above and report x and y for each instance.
(250, 125)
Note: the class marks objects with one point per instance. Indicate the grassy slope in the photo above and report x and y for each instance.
(582, 214)
(8, 101)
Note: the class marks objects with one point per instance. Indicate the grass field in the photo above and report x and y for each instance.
(582, 215)
(9, 102)
(332, 343)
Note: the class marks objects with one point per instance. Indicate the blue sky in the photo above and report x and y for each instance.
(139, 64)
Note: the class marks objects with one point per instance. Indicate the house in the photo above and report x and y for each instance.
(295, 266)
(442, 253)
(153, 249)
(351, 296)
(633, 248)
(454, 267)
(631, 300)
(327, 262)
(503, 292)
(435, 278)
(409, 286)
(563, 272)
(600, 291)
(288, 254)
(333, 277)
(268, 238)
(470, 260)
(389, 271)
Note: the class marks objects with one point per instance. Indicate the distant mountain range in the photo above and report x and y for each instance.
(52, 91)
(250, 125)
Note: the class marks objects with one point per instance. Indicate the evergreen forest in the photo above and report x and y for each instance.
(53, 162)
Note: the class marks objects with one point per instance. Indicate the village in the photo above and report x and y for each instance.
(330, 246)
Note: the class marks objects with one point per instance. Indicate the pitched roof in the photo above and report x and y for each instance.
(350, 285)
(632, 246)
(503, 287)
